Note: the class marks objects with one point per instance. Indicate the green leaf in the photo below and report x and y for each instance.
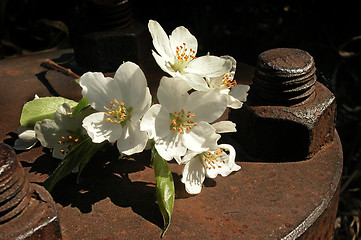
(83, 103)
(164, 188)
(79, 154)
(42, 108)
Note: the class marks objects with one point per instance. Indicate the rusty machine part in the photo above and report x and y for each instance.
(289, 116)
(27, 210)
(115, 199)
(108, 35)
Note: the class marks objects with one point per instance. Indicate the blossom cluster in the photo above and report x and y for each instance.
(183, 125)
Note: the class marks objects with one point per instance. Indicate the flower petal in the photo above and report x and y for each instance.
(163, 64)
(224, 127)
(209, 66)
(170, 146)
(99, 90)
(26, 140)
(207, 106)
(132, 139)
(240, 92)
(171, 93)
(160, 40)
(132, 84)
(47, 132)
(148, 121)
(193, 176)
(201, 138)
(226, 165)
(99, 129)
(181, 35)
(197, 82)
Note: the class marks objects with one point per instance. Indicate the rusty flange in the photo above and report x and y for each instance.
(116, 198)
(27, 210)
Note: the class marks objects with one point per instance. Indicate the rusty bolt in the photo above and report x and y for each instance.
(289, 116)
(108, 36)
(27, 210)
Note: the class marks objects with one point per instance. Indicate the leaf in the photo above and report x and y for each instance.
(79, 154)
(42, 108)
(164, 188)
(83, 103)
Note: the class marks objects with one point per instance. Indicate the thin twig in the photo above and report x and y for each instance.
(49, 64)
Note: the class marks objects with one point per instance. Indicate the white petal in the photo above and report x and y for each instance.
(26, 140)
(224, 127)
(99, 129)
(207, 106)
(132, 139)
(240, 92)
(201, 138)
(181, 35)
(193, 176)
(160, 40)
(168, 94)
(148, 121)
(232, 71)
(170, 146)
(98, 90)
(48, 133)
(233, 102)
(210, 66)
(63, 118)
(163, 64)
(197, 82)
(131, 82)
(162, 123)
(226, 165)
(188, 156)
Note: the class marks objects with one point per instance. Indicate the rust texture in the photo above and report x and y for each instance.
(27, 211)
(115, 198)
(108, 35)
(295, 120)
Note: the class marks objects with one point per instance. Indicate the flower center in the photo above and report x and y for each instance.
(68, 143)
(213, 160)
(228, 81)
(183, 56)
(116, 112)
(182, 121)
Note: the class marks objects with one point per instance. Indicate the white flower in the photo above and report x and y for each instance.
(176, 55)
(62, 133)
(236, 93)
(181, 120)
(121, 102)
(207, 164)
(27, 139)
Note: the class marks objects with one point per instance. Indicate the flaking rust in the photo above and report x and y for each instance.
(27, 210)
(289, 116)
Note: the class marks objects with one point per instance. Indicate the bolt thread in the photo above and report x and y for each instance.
(14, 185)
(109, 15)
(283, 77)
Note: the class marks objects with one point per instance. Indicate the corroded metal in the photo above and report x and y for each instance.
(109, 36)
(115, 198)
(301, 123)
(284, 76)
(27, 211)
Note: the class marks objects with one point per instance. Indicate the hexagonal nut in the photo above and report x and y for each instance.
(285, 134)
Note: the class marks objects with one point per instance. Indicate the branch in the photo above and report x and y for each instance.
(49, 64)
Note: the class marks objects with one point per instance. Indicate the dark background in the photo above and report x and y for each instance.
(329, 30)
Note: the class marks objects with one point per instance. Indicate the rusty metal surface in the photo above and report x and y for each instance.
(116, 198)
(108, 35)
(27, 210)
(303, 120)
